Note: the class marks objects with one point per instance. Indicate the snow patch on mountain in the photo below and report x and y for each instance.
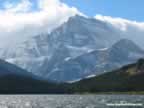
(90, 76)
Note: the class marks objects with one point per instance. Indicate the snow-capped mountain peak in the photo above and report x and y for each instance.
(80, 44)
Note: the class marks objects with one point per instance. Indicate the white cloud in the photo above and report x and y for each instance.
(17, 21)
(128, 29)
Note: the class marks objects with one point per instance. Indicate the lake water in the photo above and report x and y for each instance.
(71, 101)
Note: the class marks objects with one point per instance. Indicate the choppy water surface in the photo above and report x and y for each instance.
(71, 101)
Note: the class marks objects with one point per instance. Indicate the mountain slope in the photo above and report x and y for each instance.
(16, 80)
(128, 78)
(7, 68)
(94, 62)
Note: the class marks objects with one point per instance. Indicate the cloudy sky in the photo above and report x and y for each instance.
(33, 14)
(22, 18)
(128, 9)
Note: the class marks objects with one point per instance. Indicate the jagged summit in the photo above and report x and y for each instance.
(125, 50)
(126, 42)
(84, 18)
(81, 22)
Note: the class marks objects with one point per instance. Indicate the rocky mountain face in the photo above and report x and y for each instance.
(72, 51)
(95, 62)
(125, 50)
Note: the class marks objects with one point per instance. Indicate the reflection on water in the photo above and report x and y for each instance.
(71, 101)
